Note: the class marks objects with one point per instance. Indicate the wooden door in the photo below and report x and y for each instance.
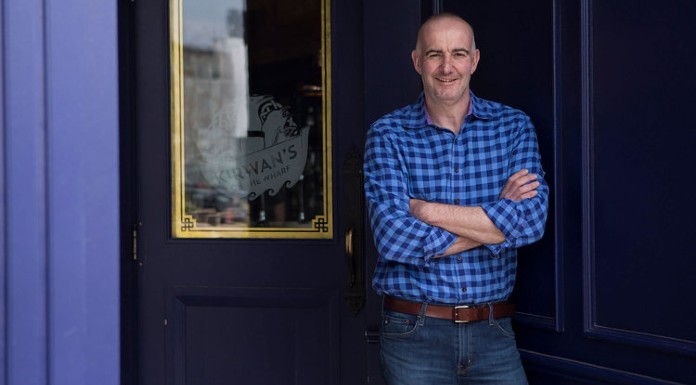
(283, 300)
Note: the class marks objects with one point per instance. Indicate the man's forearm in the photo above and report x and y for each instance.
(469, 222)
(461, 244)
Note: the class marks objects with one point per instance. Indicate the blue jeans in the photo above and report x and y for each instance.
(418, 350)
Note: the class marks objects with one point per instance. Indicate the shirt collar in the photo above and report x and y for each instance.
(476, 108)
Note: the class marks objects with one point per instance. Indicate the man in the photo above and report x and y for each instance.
(454, 185)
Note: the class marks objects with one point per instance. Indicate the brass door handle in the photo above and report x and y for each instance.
(353, 221)
(349, 243)
(350, 262)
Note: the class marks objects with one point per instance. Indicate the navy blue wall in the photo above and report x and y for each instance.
(59, 178)
(605, 297)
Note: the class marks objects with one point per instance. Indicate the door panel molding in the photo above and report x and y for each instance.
(207, 324)
(637, 338)
(571, 372)
(622, 237)
(557, 223)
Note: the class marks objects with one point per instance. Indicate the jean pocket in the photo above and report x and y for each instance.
(399, 325)
(504, 326)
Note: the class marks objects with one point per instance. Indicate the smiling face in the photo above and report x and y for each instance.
(446, 57)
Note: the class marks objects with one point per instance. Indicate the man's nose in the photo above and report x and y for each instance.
(446, 64)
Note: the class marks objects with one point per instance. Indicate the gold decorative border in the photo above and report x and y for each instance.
(184, 226)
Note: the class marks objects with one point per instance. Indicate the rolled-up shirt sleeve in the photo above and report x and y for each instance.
(398, 236)
(522, 222)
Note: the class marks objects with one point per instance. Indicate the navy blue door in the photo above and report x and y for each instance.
(606, 296)
(247, 311)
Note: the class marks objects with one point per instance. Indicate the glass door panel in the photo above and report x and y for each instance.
(250, 119)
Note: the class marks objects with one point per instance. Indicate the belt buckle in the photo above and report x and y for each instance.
(455, 314)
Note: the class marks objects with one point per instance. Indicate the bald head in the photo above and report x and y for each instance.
(436, 19)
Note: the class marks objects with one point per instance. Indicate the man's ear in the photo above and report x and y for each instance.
(416, 61)
(476, 58)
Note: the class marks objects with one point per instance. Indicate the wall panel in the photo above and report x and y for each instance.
(517, 68)
(639, 149)
(605, 298)
(59, 174)
(550, 370)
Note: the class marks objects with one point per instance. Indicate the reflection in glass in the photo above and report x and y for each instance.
(250, 146)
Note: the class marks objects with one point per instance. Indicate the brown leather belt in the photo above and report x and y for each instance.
(459, 314)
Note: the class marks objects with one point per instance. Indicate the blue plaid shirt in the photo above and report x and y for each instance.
(406, 157)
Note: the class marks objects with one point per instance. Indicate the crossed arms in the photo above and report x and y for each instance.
(471, 224)
(404, 184)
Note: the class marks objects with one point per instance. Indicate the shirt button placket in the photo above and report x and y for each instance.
(456, 174)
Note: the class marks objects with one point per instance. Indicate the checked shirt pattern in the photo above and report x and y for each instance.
(406, 157)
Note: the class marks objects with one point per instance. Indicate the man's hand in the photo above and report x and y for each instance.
(521, 185)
